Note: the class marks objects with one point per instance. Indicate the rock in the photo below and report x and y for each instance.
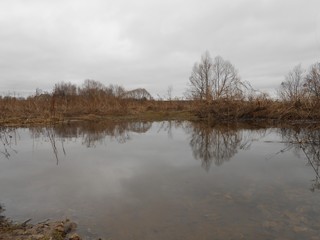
(59, 228)
(74, 237)
(69, 227)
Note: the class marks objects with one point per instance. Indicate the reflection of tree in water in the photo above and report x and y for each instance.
(139, 127)
(166, 126)
(1, 216)
(306, 141)
(8, 137)
(218, 144)
(48, 135)
(95, 132)
(212, 143)
(91, 133)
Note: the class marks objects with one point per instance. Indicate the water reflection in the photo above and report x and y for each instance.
(305, 141)
(151, 187)
(8, 138)
(209, 143)
(49, 135)
(169, 126)
(90, 133)
(217, 144)
(1, 216)
(95, 133)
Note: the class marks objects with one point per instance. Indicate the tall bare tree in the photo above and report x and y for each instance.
(313, 81)
(115, 90)
(292, 89)
(226, 81)
(215, 79)
(91, 86)
(201, 78)
(64, 89)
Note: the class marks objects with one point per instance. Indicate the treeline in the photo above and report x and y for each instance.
(92, 89)
(301, 86)
(92, 100)
(216, 85)
(215, 92)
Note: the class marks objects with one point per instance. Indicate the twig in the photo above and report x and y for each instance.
(25, 222)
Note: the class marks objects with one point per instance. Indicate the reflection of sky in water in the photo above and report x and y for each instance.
(151, 186)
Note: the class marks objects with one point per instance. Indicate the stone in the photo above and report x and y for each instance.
(74, 237)
(69, 227)
(59, 228)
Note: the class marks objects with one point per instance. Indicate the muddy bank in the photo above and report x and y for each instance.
(47, 230)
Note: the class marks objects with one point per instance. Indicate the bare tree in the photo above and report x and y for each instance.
(215, 79)
(64, 89)
(313, 81)
(292, 88)
(169, 92)
(201, 78)
(90, 85)
(226, 82)
(115, 91)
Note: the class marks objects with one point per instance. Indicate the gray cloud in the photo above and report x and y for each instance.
(152, 44)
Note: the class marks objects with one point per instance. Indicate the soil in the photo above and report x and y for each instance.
(57, 230)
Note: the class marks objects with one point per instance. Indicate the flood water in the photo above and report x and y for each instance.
(165, 180)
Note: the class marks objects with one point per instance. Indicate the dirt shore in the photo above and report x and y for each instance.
(47, 230)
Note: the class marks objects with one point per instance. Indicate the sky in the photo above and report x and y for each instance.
(152, 44)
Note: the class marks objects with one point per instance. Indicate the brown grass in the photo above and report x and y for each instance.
(47, 108)
(258, 110)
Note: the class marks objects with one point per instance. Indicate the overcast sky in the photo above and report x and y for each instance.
(152, 44)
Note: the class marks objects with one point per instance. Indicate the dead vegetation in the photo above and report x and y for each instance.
(54, 230)
(258, 110)
(49, 108)
(221, 95)
(216, 92)
(91, 101)
(20, 112)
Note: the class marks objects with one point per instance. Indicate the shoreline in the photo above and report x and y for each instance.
(150, 117)
(24, 121)
(47, 230)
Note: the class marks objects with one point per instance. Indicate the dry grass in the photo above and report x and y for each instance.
(258, 110)
(47, 108)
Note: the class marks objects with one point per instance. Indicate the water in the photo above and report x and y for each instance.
(165, 180)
